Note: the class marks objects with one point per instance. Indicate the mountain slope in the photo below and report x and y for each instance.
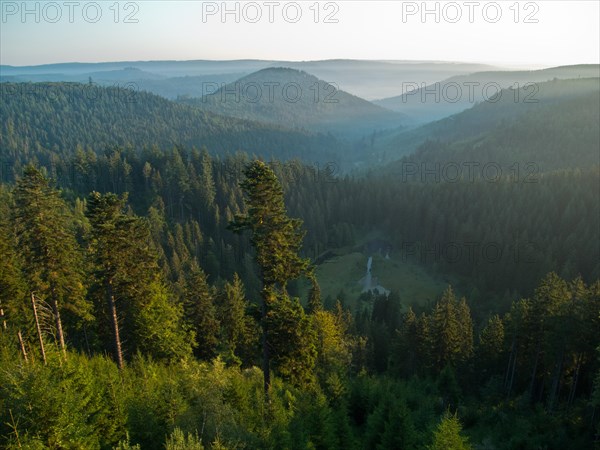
(297, 99)
(560, 131)
(455, 94)
(41, 119)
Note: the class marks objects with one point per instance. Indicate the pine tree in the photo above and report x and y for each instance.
(232, 316)
(423, 340)
(314, 297)
(292, 339)
(137, 308)
(447, 435)
(178, 440)
(549, 298)
(399, 430)
(277, 240)
(446, 335)
(405, 347)
(108, 242)
(491, 345)
(51, 259)
(491, 338)
(160, 330)
(200, 312)
(466, 329)
(207, 190)
(12, 285)
(333, 345)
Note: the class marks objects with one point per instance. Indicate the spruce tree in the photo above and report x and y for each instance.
(12, 286)
(52, 263)
(232, 316)
(137, 307)
(446, 339)
(277, 240)
(491, 346)
(466, 328)
(447, 435)
(314, 298)
(200, 312)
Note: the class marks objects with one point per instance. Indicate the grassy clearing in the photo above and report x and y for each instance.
(414, 284)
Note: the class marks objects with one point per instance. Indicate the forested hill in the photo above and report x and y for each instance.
(460, 92)
(555, 124)
(44, 119)
(565, 136)
(295, 98)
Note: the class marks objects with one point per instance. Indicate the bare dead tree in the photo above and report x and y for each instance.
(22, 345)
(110, 297)
(58, 324)
(39, 329)
(2, 316)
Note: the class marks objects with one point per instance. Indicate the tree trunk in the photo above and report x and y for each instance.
(511, 355)
(512, 365)
(58, 324)
(512, 374)
(87, 343)
(22, 345)
(112, 309)
(556, 381)
(265, 353)
(575, 380)
(2, 317)
(534, 372)
(39, 329)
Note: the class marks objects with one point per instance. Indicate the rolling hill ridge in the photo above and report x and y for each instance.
(297, 99)
(55, 118)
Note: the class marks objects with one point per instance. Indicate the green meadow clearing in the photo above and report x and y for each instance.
(344, 271)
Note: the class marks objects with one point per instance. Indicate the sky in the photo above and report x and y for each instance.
(510, 33)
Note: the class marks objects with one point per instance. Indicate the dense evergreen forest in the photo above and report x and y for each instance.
(534, 122)
(49, 120)
(143, 287)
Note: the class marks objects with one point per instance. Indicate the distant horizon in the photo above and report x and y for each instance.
(496, 64)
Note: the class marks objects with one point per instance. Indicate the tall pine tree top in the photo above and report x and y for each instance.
(276, 237)
(45, 238)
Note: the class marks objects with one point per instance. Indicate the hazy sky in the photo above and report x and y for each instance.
(507, 32)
